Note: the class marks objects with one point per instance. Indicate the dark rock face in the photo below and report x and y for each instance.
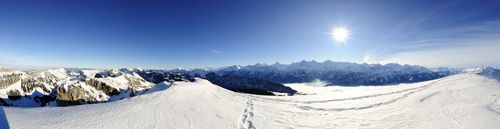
(248, 85)
(44, 99)
(157, 76)
(14, 94)
(98, 75)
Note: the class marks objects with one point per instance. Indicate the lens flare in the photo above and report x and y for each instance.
(340, 34)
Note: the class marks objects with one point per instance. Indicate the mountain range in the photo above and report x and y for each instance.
(72, 86)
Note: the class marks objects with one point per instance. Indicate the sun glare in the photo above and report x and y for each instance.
(340, 34)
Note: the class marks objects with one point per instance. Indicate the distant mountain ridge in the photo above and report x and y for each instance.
(336, 73)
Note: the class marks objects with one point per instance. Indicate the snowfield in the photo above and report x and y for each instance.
(464, 101)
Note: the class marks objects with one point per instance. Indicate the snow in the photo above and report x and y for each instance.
(90, 72)
(91, 91)
(67, 78)
(59, 73)
(3, 92)
(120, 82)
(180, 106)
(464, 100)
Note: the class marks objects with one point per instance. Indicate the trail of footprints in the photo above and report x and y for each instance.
(246, 118)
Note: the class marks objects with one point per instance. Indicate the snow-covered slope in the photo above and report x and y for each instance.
(184, 105)
(461, 101)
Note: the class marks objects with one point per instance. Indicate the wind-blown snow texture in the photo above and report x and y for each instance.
(467, 100)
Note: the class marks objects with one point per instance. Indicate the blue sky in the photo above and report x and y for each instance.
(187, 34)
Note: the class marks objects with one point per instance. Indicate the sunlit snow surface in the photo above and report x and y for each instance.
(459, 101)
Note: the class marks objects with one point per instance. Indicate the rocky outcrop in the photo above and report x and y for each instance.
(73, 95)
(29, 84)
(9, 79)
(98, 85)
(14, 94)
(135, 83)
(158, 76)
(43, 76)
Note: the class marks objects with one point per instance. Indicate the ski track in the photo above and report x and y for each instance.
(245, 121)
(363, 107)
(428, 96)
(407, 92)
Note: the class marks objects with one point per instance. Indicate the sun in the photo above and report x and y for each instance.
(340, 34)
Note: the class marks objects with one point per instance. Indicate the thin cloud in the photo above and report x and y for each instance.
(444, 37)
(461, 46)
(412, 22)
(212, 50)
(457, 56)
(215, 51)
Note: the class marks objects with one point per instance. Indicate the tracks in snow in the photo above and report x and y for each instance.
(428, 96)
(346, 99)
(363, 107)
(245, 121)
(404, 94)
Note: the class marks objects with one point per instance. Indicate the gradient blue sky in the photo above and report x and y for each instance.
(187, 34)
